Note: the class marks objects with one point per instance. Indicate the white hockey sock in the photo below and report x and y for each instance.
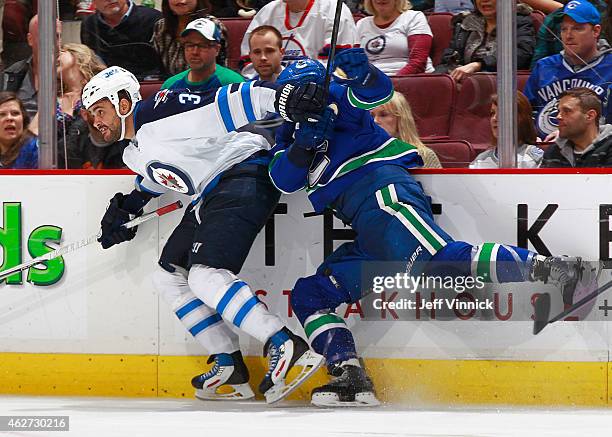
(234, 301)
(203, 323)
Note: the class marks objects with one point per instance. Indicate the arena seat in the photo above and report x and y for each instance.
(432, 98)
(471, 111)
(236, 28)
(149, 87)
(440, 24)
(453, 153)
(521, 79)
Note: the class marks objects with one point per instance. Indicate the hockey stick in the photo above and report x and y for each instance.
(332, 47)
(76, 245)
(542, 308)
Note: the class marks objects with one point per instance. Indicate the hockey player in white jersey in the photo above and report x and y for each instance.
(186, 142)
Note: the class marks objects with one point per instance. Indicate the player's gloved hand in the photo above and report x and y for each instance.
(115, 216)
(314, 136)
(354, 63)
(298, 103)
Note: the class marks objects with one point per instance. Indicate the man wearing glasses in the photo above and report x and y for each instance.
(201, 43)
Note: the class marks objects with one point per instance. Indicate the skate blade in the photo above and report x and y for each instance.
(331, 400)
(241, 392)
(309, 363)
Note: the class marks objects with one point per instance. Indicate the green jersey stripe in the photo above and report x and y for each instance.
(356, 102)
(389, 150)
(484, 261)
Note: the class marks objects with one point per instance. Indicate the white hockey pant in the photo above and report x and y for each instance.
(205, 324)
(234, 301)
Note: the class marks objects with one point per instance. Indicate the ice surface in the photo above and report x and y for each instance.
(90, 417)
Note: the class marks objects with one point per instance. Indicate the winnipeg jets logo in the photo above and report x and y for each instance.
(376, 45)
(160, 97)
(169, 180)
(170, 177)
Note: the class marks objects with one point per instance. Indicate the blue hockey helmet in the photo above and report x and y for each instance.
(303, 71)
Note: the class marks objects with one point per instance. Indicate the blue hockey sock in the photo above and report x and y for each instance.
(491, 261)
(329, 336)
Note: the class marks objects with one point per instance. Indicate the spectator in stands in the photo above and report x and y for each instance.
(473, 47)
(18, 146)
(527, 154)
(166, 34)
(396, 39)
(120, 33)
(223, 8)
(396, 118)
(266, 52)
(22, 77)
(77, 148)
(454, 6)
(15, 27)
(585, 61)
(548, 39)
(582, 141)
(201, 40)
(306, 27)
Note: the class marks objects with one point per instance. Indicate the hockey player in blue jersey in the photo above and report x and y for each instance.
(186, 142)
(352, 166)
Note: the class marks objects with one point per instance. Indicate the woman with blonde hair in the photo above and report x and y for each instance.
(396, 118)
(396, 39)
(77, 65)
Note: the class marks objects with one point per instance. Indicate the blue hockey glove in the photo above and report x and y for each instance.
(314, 136)
(354, 63)
(115, 216)
(299, 103)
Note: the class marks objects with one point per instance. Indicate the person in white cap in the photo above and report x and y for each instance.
(201, 43)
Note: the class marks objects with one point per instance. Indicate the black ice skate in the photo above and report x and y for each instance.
(228, 380)
(286, 350)
(562, 271)
(350, 387)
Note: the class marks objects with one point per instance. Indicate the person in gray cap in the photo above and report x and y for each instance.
(201, 42)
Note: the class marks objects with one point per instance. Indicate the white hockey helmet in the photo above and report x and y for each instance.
(106, 85)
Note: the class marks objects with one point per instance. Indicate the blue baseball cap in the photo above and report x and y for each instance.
(582, 11)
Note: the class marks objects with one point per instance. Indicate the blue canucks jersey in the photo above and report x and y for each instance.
(553, 75)
(357, 146)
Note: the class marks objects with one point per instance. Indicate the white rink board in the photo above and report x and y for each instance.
(105, 302)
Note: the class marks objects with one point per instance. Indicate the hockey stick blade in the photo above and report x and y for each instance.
(76, 245)
(541, 321)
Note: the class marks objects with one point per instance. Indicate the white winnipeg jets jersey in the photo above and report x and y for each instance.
(306, 33)
(184, 139)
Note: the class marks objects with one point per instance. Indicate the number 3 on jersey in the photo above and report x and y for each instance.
(189, 98)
